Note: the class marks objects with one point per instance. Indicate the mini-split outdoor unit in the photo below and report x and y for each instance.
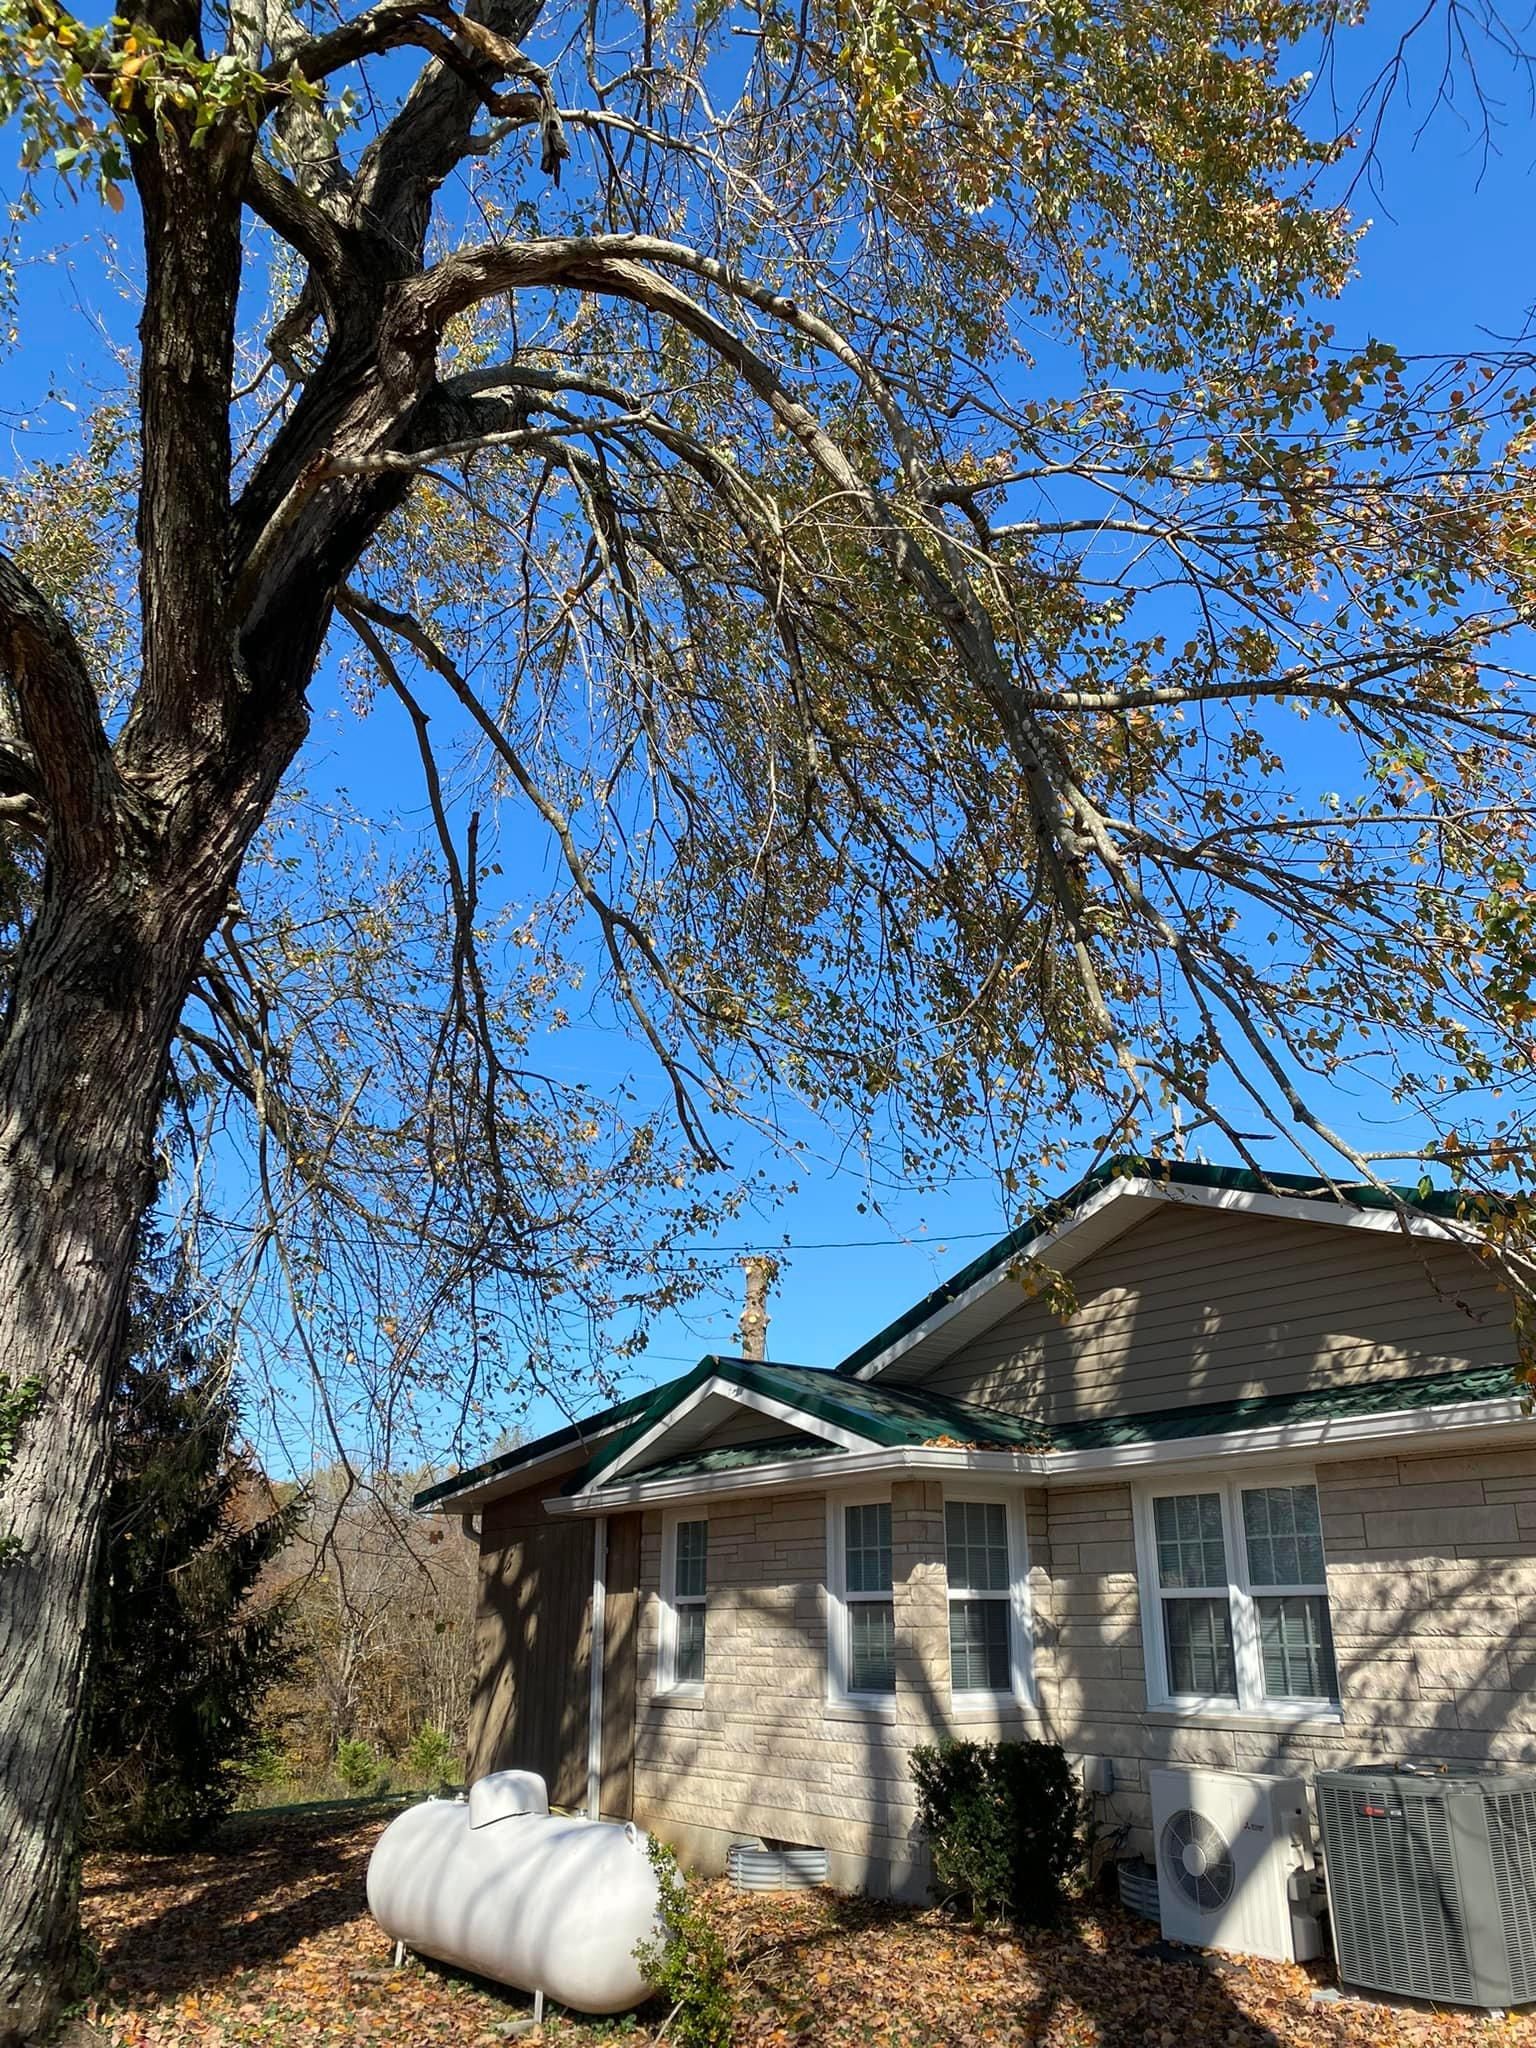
(1432, 1880)
(1235, 1864)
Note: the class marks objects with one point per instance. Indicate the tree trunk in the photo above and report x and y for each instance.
(81, 1070)
(145, 833)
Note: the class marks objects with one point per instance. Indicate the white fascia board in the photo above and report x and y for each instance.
(838, 1470)
(1341, 1436)
(1419, 1429)
(718, 1387)
(1075, 1239)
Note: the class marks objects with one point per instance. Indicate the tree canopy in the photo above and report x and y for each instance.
(899, 597)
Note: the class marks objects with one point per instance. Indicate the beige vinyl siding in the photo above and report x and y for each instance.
(1203, 1305)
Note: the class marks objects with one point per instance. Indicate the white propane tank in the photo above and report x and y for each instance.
(499, 1885)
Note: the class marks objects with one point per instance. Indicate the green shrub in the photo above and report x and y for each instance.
(1003, 1822)
(359, 1766)
(432, 1755)
(688, 1964)
(267, 1765)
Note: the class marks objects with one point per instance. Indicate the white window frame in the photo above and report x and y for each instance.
(667, 1685)
(881, 1705)
(1021, 1688)
(1247, 1648)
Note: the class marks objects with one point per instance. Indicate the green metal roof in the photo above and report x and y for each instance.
(988, 1429)
(882, 1416)
(888, 1416)
(1271, 1411)
(1174, 1173)
(780, 1450)
(524, 1454)
(888, 1419)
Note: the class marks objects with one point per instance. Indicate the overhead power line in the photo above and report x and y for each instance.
(846, 1244)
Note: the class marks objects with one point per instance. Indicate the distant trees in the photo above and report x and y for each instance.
(302, 1631)
(187, 1644)
(383, 1624)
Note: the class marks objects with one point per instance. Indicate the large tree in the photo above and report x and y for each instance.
(866, 492)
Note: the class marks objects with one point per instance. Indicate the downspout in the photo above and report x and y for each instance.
(595, 1699)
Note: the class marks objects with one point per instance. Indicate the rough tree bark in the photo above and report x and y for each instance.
(144, 835)
(79, 1085)
(143, 841)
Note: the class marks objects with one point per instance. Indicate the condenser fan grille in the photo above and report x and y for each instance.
(1198, 1859)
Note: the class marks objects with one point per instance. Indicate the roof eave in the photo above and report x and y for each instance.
(1462, 1424)
(725, 1382)
(467, 1491)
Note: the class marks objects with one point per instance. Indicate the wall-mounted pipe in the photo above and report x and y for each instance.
(595, 1685)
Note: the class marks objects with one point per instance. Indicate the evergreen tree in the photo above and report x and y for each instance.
(184, 1650)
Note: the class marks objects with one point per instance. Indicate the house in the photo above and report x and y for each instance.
(1265, 1501)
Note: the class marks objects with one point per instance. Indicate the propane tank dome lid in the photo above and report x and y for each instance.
(503, 1795)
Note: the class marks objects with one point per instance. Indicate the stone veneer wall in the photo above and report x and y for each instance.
(1432, 1589)
(1432, 1578)
(765, 1752)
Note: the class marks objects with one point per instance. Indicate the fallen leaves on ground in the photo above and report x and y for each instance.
(267, 1939)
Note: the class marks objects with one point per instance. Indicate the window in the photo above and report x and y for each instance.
(982, 1634)
(861, 1637)
(685, 1591)
(1235, 1596)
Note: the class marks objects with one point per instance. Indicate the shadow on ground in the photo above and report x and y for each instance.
(270, 1931)
(1093, 1978)
(244, 1903)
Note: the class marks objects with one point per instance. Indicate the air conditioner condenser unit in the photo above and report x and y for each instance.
(1235, 1868)
(1432, 1880)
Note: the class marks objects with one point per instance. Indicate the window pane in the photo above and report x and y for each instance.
(976, 1545)
(867, 1544)
(1298, 1648)
(690, 1646)
(978, 1646)
(872, 1646)
(1199, 1638)
(1284, 1534)
(1190, 1548)
(692, 1568)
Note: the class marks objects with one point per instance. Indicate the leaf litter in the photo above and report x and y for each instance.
(266, 1939)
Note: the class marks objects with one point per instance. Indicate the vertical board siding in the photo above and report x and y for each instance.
(621, 1611)
(1200, 1305)
(530, 1705)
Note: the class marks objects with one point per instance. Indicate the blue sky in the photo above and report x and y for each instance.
(1447, 265)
